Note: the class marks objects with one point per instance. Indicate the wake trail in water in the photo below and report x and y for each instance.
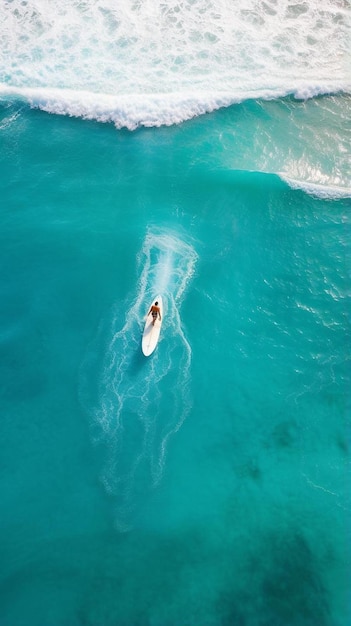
(141, 402)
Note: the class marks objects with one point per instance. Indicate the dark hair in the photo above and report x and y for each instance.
(156, 303)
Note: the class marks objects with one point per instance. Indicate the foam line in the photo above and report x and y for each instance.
(152, 110)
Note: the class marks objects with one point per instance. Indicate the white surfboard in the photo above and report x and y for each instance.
(151, 332)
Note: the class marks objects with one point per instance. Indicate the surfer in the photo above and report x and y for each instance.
(155, 311)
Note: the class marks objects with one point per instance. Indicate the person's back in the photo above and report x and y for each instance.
(155, 311)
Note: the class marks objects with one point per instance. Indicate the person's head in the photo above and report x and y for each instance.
(156, 303)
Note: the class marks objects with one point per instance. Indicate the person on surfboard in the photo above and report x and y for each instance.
(155, 311)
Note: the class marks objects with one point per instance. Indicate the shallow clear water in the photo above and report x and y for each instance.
(208, 484)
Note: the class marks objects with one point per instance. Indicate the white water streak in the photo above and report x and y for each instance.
(143, 401)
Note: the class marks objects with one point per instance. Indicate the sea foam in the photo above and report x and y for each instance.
(332, 192)
(155, 63)
(130, 387)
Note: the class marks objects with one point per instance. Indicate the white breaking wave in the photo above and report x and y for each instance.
(156, 62)
(125, 111)
(141, 402)
(323, 191)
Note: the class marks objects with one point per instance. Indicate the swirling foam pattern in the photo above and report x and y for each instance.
(139, 400)
(159, 62)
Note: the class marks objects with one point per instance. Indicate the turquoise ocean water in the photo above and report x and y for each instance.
(208, 485)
